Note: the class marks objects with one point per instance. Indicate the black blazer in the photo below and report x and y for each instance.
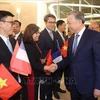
(59, 38)
(20, 37)
(34, 56)
(5, 55)
(46, 43)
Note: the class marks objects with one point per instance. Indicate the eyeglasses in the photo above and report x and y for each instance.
(11, 22)
(52, 22)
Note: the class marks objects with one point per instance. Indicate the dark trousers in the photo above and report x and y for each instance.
(16, 96)
(46, 87)
(67, 77)
(75, 95)
(24, 88)
(36, 89)
(57, 78)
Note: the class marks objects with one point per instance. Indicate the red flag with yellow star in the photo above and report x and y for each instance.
(8, 85)
(64, 49)
(49, 58)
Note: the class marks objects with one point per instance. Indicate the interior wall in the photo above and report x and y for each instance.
(30, 12)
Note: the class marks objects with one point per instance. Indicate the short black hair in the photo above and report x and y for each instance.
(47, 16)
(4, 14)
(59, 22)
(18, 22)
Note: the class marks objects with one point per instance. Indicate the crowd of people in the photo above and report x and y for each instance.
(81, 66)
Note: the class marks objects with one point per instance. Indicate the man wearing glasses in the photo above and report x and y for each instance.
(6, 22)
(47, 41)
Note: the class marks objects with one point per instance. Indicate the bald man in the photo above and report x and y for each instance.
(95, 26)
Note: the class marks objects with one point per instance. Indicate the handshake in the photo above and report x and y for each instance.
(51, 68)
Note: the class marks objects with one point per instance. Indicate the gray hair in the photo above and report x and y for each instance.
(47, 16)
(78, 15)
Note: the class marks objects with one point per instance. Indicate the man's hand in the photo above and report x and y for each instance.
(96, 93)
(43, 61)
(52, 68)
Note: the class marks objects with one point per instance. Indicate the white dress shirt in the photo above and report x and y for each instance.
(61, 34)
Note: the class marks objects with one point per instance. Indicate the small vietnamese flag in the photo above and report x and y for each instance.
(8, 85)
(64, 49)
(49, 58)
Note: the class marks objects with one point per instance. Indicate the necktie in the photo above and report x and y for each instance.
(75, 44)
(9, 46)
(51, 35)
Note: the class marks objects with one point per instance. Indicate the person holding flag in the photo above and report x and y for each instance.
(30, 38)
(7, 45)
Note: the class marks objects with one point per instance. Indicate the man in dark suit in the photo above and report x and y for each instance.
(84, 59)
(18, 35)
(47, 41)
(6, 23)
(61, 28)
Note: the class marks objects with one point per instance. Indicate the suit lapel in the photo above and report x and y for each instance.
(70, 45)
(20, 36)
(4, 46)
(59, 38)
(82, 41)
(47, 35)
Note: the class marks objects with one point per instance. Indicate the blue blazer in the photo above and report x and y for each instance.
(86, 62)
(85, 65)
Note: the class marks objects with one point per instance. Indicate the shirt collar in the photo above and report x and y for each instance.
(48, 30)
(4, 38)
(82, 31)
(60, 32)
(16, 36)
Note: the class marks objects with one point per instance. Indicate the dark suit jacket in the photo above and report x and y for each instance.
(5, 54)
(20, 37)
(34, 57)
(66, 70)
(86, 63)
(59, 38)
(5, 57)
(46, 43)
